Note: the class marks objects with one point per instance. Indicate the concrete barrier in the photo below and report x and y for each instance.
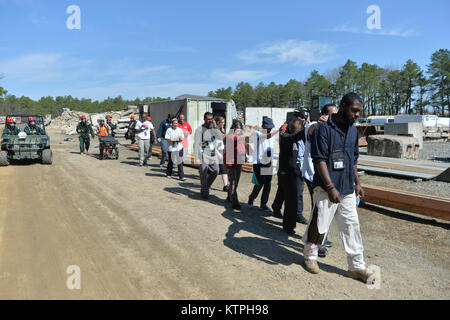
(412, 129)
(392, 146)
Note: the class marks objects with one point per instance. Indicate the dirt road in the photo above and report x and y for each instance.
(137, 235)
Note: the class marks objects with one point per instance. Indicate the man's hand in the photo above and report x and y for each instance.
(159, 139)
(359, 191)
(323, 118)
(334, 195)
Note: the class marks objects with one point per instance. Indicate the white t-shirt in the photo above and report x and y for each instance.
(263, 146)
(144, 135)
(172, 135)
(308, 165)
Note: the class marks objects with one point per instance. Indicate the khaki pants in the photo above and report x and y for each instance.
(347, 222)
(144, 145)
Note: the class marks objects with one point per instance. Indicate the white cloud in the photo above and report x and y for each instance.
(33, 67)
(141, 89)
(298, 52)
(397, 32)
(240, 75)
(52, 68)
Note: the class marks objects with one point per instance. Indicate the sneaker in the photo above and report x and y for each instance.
(362, 275)
(149, 158)
(301, 219)
(265, 208)
(250, 203)
(323, 251)
(205, 196)
(169, 177)
(312, 266)
(82, 153)
(226, 188)
(328, 244)
(183, 179)
(161, 166)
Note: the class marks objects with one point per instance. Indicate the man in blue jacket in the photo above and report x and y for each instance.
(335, 153)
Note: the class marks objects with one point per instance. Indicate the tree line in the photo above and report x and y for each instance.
(384, 90)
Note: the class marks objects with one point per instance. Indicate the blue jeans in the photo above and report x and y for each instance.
(164, 149)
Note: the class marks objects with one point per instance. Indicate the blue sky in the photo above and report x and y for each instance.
(167, 48)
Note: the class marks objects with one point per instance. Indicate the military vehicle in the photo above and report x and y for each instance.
(26, 147)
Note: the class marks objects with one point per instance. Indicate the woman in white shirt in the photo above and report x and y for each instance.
(175, 137)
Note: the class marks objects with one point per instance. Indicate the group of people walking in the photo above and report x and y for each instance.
(323, 155)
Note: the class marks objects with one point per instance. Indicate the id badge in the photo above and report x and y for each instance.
(211, 145)
(337, 158)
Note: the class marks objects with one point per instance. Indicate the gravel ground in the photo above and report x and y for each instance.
(435, 151)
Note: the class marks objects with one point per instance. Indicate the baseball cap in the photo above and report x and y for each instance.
(268, 123)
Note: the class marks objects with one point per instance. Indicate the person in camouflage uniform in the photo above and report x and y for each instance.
(10, 129)
(83, 130)
(111, 126)
(33, 129)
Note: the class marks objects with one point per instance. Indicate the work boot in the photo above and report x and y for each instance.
(312, 266)
(362, 275)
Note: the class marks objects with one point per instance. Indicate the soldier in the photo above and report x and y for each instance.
(10, 128)
(131, 133)
(83, 130)
(33, 129)
(111, 125)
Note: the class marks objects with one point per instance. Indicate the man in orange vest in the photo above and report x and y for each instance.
(102, 130)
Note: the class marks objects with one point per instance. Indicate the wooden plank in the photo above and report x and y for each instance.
(431, 206)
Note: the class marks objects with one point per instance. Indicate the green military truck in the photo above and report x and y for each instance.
(35, 146)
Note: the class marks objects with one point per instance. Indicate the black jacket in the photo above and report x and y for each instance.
(288, 154)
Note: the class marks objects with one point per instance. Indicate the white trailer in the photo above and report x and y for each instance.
(193, 108)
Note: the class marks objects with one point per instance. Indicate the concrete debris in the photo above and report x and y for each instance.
(402, 147)
(67, 122)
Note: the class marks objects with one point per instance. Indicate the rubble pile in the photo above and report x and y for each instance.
(67, 122)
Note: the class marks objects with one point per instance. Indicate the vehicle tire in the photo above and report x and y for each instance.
(4, 159)
(47, 156)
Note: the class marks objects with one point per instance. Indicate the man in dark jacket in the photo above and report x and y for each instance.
(83, 130)
(161, 134)
(287, 170)
(335, 152)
